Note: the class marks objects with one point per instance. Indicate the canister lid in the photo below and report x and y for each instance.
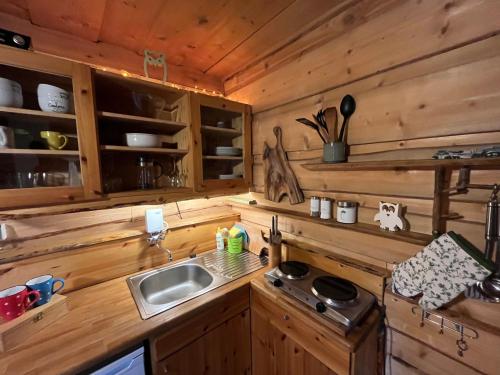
(346, 204)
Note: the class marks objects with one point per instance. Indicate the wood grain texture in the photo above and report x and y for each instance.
(224, 350)
(349, 57)
(103, 321)
(279, 180)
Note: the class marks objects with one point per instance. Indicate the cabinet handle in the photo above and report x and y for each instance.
(286, 317)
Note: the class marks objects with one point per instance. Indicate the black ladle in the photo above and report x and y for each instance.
(347, 108)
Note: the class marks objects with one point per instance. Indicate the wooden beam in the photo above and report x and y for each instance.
(103, 54)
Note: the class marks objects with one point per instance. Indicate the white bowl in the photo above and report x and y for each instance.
(142, 140)
(11, 94)
(53, 98)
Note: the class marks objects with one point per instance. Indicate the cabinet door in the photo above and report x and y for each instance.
(222, 143)
(274, 353)
(45, 157)
(223, 351)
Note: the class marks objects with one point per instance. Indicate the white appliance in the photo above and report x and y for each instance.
(130, 364)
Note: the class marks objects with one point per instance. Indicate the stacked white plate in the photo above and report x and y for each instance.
(229, 176)
(227, 151)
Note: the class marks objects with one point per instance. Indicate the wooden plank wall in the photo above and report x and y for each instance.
(425, 76)
(90, 247)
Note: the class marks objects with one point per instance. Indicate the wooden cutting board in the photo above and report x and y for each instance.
(279, 177)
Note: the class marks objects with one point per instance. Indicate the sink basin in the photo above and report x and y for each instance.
(173, 284)
(158, 290)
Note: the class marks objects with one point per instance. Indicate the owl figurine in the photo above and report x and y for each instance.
(389, 216)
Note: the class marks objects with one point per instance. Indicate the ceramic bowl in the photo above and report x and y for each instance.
(53, 98)
(11, 94)
(142, 140)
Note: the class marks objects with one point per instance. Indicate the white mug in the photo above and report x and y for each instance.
(11, 93)
(6, 137)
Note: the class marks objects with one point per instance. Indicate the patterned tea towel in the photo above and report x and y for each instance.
(441, 271)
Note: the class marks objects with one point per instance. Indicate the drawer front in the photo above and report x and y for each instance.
(423, 357)
(482, 353)
(318, 341)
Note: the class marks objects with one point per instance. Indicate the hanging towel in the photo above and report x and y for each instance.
(441, 271)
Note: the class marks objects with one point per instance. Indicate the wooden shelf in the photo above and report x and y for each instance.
(405, 236)
(165, 125)
(166, 190)
(171, 151)
(221, 131)
(36, 114)
(215, 157)
(20, 151)
(428, 164)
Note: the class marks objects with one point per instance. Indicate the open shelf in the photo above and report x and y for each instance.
(166, 190)
(36, 114)
(428, 164)
(215, 157)
(19, 151)
(171, 151)
(405, 236)
(221, 131)
(172, 126)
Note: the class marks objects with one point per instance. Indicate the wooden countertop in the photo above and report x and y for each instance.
(103, 320)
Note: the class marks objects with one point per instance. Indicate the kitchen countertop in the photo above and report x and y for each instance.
(102, 321)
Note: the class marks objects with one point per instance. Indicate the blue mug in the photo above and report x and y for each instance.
(45, 285)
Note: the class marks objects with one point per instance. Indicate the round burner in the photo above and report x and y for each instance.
(293, 270)
(334, 291)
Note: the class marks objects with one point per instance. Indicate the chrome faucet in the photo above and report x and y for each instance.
(155, 239)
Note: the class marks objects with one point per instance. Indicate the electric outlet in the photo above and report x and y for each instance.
(154, 220)
(3, 232)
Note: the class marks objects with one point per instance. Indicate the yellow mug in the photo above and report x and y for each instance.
(55, 140)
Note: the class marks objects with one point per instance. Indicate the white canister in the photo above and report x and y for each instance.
(6, 137)
(314, 206)
(326, 208)
(347, 212)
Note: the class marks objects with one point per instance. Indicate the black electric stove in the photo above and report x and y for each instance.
(333, 297)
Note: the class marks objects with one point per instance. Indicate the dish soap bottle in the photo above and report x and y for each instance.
(219, 239)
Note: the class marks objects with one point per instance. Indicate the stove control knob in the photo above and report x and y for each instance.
(320, 307)
(277, 283)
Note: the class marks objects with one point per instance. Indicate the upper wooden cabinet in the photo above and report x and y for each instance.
(87, 156)
(222, 143)
(44, 154)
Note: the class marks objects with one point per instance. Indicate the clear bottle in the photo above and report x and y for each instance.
(145, 171)
(219, 239)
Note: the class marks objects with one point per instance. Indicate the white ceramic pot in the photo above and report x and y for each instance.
(6, 137)
(53, 98)
(142, 140)
(11, 94)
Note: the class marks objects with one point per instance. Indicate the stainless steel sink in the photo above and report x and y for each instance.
(159, 290)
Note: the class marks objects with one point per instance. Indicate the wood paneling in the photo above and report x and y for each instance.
(381, 43)
(423, 357)
(224, 350)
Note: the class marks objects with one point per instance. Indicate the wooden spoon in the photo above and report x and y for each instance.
(331, 119)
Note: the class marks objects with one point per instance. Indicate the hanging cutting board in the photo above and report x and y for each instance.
(279, 177)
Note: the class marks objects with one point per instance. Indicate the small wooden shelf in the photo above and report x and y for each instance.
(221, 131)
(405, 236)
(427, 164)
(215, 157)
(166, 125)
(20, 151)
(171, 151)
(36, 113)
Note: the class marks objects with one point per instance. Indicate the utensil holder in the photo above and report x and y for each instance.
(235, 245)
(334, 152)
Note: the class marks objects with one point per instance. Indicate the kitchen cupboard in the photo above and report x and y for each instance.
(292, 340)
(202, 143)
(215, 340)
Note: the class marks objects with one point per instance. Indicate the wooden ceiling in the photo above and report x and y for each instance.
(207, 40)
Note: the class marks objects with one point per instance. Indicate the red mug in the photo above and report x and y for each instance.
(16, 300)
